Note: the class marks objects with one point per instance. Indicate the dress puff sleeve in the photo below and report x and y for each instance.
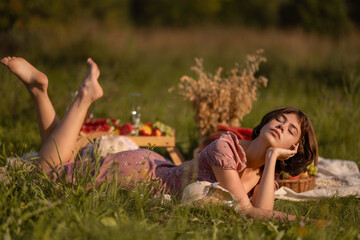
(225, 152)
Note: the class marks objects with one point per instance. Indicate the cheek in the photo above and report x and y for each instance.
(286, 145)
(289, 141)
(282, 144)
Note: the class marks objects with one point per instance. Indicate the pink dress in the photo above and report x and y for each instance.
(225, 152)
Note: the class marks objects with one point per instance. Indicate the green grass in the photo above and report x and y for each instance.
(33, 207)
(307, 71)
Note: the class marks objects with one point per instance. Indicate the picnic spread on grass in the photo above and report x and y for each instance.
(158, 134)
(336, 177)
(215, 112)
(150, 134)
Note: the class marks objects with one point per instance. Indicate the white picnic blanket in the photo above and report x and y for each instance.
(335, 178)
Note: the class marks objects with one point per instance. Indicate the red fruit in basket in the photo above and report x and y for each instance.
(156, 132)
(104, 128)
(92, 125)
(293, 178)
(96, 121)
(145, 130)
(148, 124)
(125, 129)
(86, 129)
(113, 122)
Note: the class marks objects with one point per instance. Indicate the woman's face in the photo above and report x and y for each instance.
(283, 131)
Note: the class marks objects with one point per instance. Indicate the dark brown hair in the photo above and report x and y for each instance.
(308, 148)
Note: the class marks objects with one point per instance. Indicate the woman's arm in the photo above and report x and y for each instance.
(264, 192)
(263, 196)
(229, 179)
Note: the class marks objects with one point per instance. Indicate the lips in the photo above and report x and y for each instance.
(276, 132)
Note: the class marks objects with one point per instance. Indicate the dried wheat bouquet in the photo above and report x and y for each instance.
(222, 99)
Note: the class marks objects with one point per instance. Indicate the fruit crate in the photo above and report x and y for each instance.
(299, 185)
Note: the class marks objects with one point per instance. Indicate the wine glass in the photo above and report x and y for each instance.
(135, 110)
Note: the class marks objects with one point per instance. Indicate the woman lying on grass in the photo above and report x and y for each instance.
(284, 140)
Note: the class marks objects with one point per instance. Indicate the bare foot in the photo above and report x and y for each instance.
(90, 88)
(34, 80)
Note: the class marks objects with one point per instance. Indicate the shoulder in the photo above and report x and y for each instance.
(225, 152)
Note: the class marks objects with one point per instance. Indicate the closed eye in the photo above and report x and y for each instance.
(293, 130)
(281, 119)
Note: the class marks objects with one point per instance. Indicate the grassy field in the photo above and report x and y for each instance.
(311, 72)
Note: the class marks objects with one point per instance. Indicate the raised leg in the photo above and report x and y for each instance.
(36, 82)
(60, 145)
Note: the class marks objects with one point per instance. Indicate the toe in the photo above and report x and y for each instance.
(5, 61)
(89, 61)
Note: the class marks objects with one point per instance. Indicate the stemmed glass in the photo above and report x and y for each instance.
(135, 110)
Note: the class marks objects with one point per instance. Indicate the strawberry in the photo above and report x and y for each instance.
(125, 129)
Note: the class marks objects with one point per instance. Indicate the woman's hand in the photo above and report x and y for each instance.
(258, 213)
(281, 153)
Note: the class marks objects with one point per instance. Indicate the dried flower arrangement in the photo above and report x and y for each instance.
(222, 99)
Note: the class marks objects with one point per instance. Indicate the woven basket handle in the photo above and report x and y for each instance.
(316, 161)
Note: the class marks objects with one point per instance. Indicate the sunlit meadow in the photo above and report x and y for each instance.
(314, 73)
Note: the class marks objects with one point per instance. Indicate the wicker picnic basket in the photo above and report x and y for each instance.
(299, 185)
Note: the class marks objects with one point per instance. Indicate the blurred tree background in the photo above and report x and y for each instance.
(334, 17)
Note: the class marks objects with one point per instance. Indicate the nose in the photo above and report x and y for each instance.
(281, 127)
